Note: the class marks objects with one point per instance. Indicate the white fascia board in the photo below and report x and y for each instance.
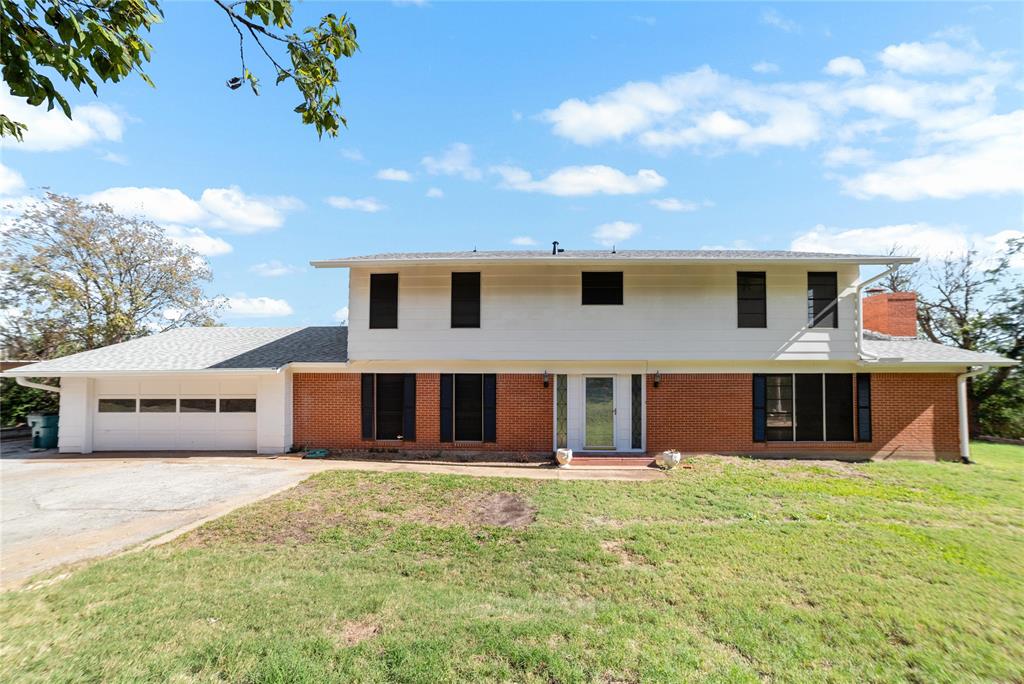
(584, 261)
(26, 372)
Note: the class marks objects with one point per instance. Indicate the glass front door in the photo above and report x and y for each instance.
(599, 433)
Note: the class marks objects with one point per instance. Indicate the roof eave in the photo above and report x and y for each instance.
(354, 263)
(26, 372)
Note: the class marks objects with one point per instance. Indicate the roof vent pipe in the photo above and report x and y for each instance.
(555, 249)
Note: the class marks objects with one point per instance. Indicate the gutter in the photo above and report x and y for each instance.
(961, 402)
(21, 380)
(864, 356)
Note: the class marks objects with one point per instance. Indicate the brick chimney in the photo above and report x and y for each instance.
(891, 313)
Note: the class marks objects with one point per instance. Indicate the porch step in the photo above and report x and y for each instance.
(613, 460)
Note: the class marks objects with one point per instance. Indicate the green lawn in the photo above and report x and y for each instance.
(731, 571)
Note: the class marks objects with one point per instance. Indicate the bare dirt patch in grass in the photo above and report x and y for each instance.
(504, 509)
(617, 548)
(353, 632)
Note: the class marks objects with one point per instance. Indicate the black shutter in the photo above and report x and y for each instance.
(864, 407)
(490, 407)
(366, 400)
(383, 300)
(465, 300)
(409, 408)
(446, 407)
(636, 418)
(760, 414)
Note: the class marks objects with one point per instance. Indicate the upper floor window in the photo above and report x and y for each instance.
(751, 300)
(602, 287)
(465, 300)
(383, 300)
(822, 300)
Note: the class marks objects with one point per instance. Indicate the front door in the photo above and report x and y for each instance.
(599, 406)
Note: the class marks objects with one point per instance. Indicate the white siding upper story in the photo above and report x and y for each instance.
(669, 312)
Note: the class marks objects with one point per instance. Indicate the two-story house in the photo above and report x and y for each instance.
(630, 352)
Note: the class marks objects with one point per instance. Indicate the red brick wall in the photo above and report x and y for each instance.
(326, 414)
(893, 313)
(913, 415)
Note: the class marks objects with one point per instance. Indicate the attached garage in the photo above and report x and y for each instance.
(191, 389)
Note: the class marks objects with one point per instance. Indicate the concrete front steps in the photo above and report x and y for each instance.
(612, 460)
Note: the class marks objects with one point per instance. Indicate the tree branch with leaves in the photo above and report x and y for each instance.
(86, 42)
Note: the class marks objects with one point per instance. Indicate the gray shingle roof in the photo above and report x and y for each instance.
(195, 349)
(913, 350)
(650, 255)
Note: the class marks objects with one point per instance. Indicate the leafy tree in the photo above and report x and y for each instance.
(90, 41)
(77, 276)
(967, 306)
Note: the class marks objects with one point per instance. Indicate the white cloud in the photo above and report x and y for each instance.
(435, 193)
(983, 158)
(578, 181)
(51, 131)
(523, 241)
(241, 306)
(399, 175)
(673, 204)
(159, 204)
(198, 239)
(766, 68)
(770, 17)
(11, 181)
(936, 58)
(370, 205)
(114, 158)
(456, 160)
(274, 269)
(845, 66)
(848, 156)
(227, 208)
(609, 234)
(341, 315)
(352, 154)
(918, 239)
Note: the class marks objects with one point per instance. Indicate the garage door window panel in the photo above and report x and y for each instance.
(240, 405)
(158, 405)
(198, 405)
(117, 406)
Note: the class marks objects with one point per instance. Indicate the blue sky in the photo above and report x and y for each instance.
(847, 127)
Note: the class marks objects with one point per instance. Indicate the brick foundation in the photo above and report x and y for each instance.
(326, 415)
(914, 415)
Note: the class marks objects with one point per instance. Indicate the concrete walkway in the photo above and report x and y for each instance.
(59, 509)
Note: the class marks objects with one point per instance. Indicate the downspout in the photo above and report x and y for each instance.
(860, 311)
(35, 385)
(961, 401)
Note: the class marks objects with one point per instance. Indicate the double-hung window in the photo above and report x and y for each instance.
(751, 300)
(465, 300)
(389, 406)
(822, 300)
(383, 300)
(468, 407)
(602, 287)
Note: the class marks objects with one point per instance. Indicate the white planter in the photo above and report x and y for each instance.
(563, 457)
(668, 459)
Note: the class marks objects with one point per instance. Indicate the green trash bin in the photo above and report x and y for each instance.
(44, 430)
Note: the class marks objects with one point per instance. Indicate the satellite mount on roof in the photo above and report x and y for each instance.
(555, 249)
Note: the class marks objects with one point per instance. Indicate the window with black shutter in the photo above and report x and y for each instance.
(469, 407)
(465, 300)
(807, 407)
(751, 300)
(602, 287)
(779, 408)
(822, 300)
(636, 431)
(864, 407)
(390, 408)
(383, 300)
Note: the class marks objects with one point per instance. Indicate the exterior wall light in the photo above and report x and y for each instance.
(547, 380)
(657, 378)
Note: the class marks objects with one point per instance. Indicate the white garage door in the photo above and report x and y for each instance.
(169, 415)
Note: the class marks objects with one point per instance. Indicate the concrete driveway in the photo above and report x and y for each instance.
(60, 509)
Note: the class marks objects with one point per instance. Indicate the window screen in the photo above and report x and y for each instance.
(465, 300)
(198, 405)
(839, 407)
(383, 300)
(469, 407)
(117, 406)
(238, 406)
(158, 405)
(751, 300)
(390, 395)
(822, 304)
(602, 287)
(810, 424)
(779, 407)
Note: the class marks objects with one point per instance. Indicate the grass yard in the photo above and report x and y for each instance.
(732, 571)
